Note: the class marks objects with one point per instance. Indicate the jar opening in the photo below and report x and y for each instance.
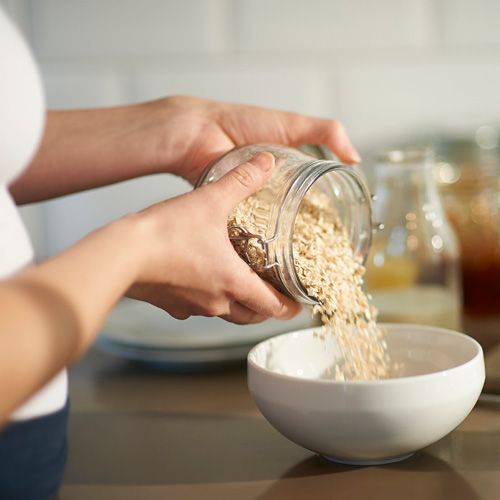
(351, 199)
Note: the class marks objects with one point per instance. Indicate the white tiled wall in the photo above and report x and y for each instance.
(389, 98)
(84, 85)
(252, 83)
(471, 23)
(127, 28)
(386, 68)
(323, 25)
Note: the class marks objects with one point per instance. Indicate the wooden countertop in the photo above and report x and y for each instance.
(140, 434)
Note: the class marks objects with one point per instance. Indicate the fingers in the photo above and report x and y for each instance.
(336, 138)
(242, 181)
(302, 129)
(241, 315)
(251, 291)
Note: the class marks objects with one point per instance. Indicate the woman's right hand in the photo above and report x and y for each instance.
(187, 265)
(177, 255)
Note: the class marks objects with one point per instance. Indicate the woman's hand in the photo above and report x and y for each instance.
(190, 266)
(176, 255)
(195, 131)
(83, 149)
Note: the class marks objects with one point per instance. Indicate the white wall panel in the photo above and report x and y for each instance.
(104, 28)
(388, 69)
(397, 99)
(471, 22)
(299, 89)
(78, 85)
(335, 24)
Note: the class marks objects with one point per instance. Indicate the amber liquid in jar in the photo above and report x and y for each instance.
(480, 267)
(468, 176)
(482, 282)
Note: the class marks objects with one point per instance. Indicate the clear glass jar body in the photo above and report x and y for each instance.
(295, 172)
(413, 269)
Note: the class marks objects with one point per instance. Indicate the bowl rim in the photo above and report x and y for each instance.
(378, 382)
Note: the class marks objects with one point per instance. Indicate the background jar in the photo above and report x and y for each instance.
(413, 269)
(468, 174)
(295, 172)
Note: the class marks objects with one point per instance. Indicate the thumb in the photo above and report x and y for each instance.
(243, 180)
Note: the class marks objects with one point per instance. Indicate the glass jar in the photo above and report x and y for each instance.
(295, 172)
(468, 177)
(413, 269)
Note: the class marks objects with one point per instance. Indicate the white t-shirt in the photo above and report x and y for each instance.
(22, 112)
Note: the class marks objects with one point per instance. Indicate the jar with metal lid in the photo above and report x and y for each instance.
(294, 174)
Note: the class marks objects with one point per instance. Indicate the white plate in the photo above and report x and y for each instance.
(175, 360)
(134, 323)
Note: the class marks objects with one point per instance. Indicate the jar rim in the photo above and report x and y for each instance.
(302, 181)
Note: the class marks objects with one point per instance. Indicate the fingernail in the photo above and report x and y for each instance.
(355, 156)
(290, 311)
(265, 161)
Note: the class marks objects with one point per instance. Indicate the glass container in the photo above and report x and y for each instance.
(413, 269)
(468, 181)
(295, 172)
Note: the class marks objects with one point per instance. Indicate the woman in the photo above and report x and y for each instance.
(168, 254)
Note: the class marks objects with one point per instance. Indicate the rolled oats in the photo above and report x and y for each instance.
(332, 275)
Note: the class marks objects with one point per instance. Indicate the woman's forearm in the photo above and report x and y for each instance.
(168, 254)
(83, 149)
(50, 313)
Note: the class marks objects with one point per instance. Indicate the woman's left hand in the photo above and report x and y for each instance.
(83, 149)
(195, 131)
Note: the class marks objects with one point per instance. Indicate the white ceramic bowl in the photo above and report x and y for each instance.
(367, 422)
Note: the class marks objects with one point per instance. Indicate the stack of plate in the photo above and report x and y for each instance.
(141, 332)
